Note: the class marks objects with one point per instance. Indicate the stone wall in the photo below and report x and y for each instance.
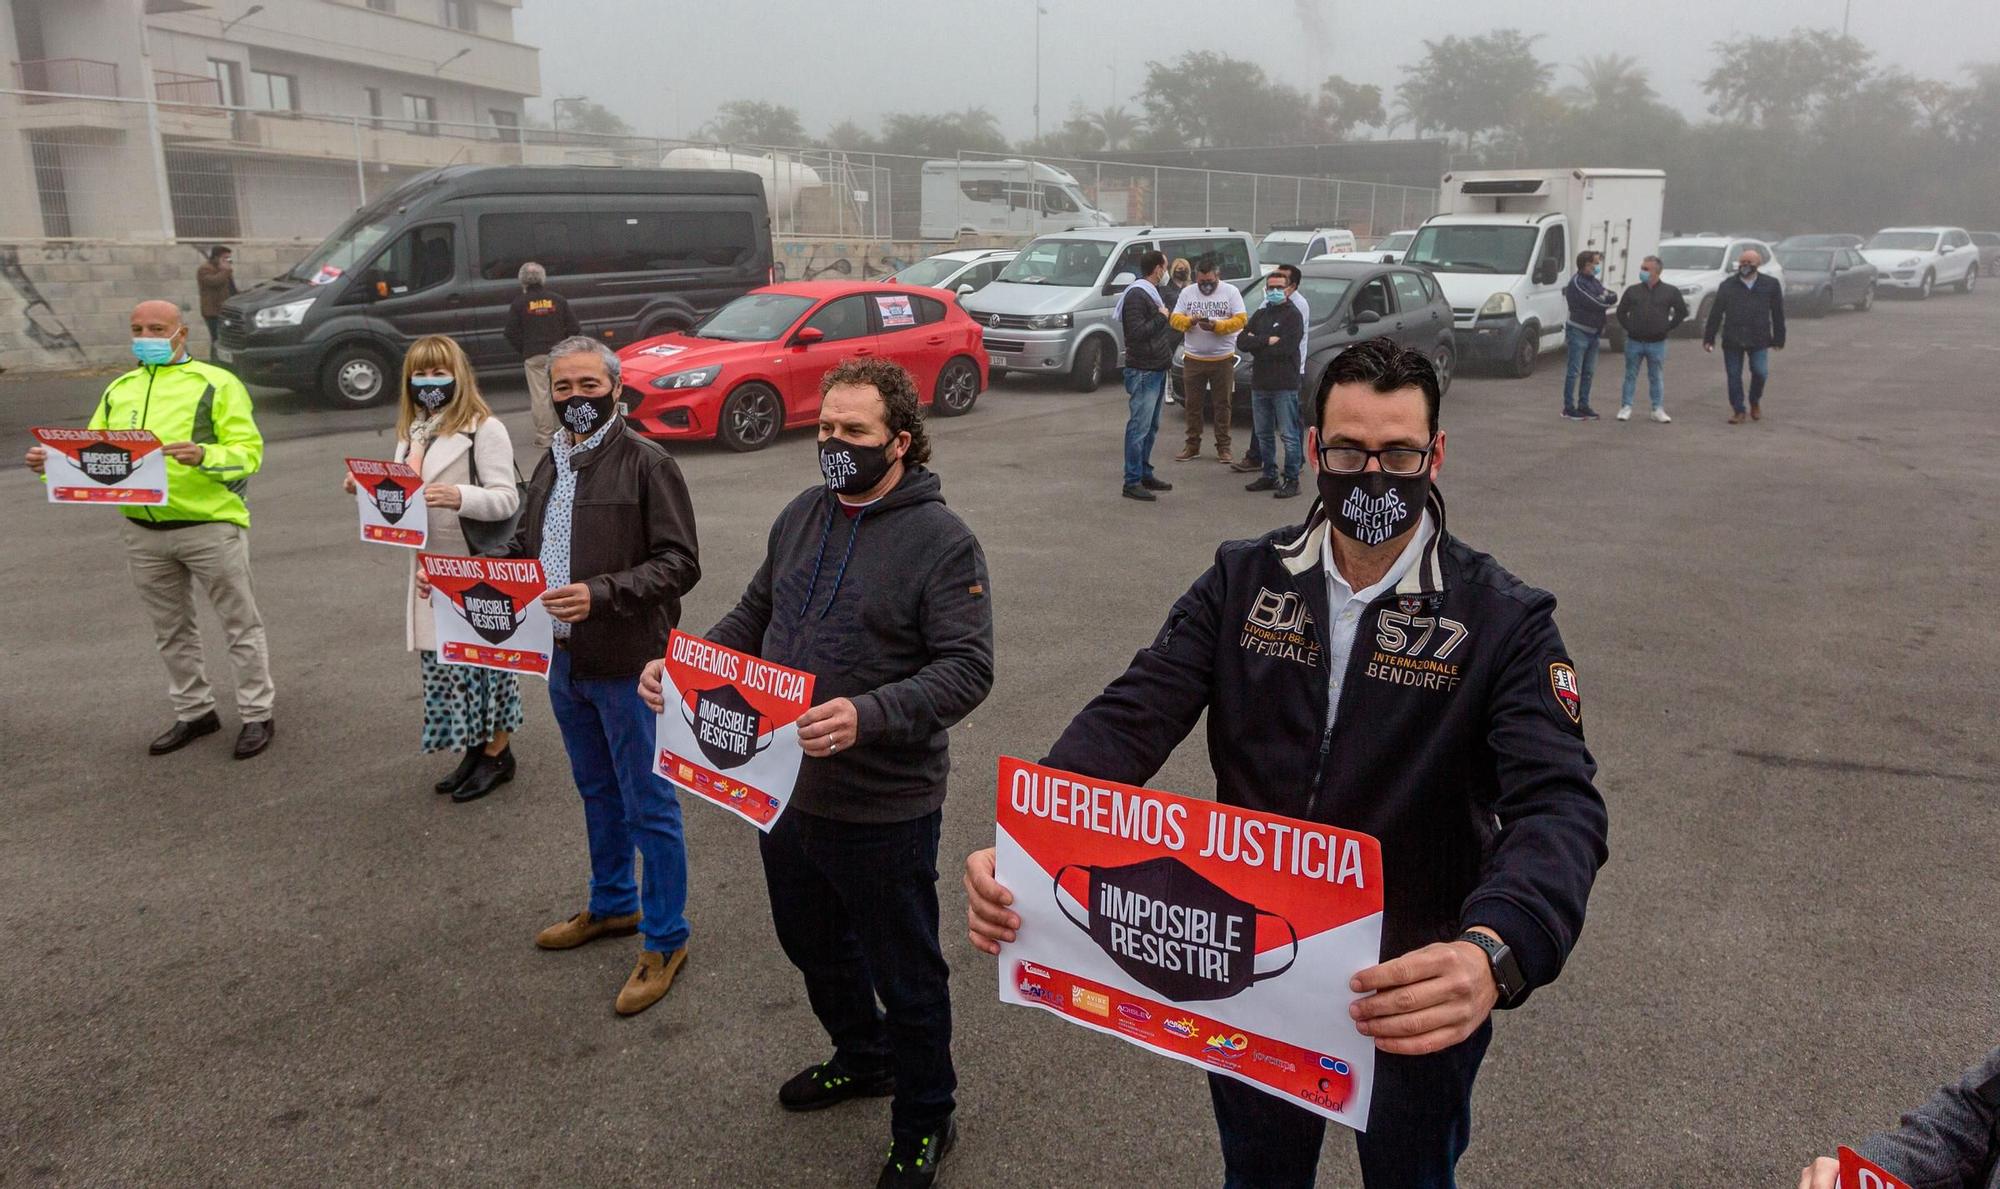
(64, 303)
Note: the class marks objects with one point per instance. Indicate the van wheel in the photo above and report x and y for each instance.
(957, 388)
(1530, 349)
(751, 417)
(1088, 370)
(355, 376)
(1442, 359)
(1971, 279)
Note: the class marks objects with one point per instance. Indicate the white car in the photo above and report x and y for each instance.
(961, 272)
(1698, 264)
(1919, 259)
(1387, 250)
(1296, 244)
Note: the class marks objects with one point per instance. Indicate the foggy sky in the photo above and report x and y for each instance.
(664, 65)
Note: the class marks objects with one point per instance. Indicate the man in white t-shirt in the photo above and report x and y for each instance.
(1209, 314)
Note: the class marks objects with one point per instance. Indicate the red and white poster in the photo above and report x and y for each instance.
(895, 310)
(1858, 1172)
(489, 613)
(391, 497)
(104, 466)
(1216, 936)
(729, 734)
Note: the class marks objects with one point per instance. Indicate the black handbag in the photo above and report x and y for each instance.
(491, 538)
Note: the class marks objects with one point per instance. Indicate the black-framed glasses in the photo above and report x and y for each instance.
(1401, 461)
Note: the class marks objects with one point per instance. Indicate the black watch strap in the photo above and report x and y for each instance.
(1506, 971)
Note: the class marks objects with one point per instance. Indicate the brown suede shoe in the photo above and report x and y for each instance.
(1736, 419)
(1224, 456)
(583, 928)
(1188, 452)
(1756, 412)
(649, 981)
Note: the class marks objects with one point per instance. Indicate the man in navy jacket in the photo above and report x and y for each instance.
(1589, 305)
(1749, 314)
(1369, 670)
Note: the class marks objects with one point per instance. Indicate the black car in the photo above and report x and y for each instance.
(1352, 300)
(1821, 280)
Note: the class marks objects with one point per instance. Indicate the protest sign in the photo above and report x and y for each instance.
(489, 614)
(895, 310)
(1213, 935)
(104, 466)
(391, 497)
(729, 733)
(1858, 1172)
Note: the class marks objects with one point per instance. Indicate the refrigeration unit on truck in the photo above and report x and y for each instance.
(1504, 243)
(1015, 197)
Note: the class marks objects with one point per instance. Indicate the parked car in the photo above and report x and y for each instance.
(960, 272)
(1296, 243)
(1049, 310)
(1820, 280)
(1387, 250)
(1917, 260)
(752, 368)
(637, 252)
(1821, 240)
(1989, 250)
(1352, 300)
(1697, 264)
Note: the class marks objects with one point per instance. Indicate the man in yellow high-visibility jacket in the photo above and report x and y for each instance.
(202, 533)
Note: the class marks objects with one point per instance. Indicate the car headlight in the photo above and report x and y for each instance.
(1912, 262)
(1499, 303)
(1049, 322)
(290, 314)
(700, 377)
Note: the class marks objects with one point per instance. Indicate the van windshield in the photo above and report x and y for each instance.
(1279, 251)
(1070, 263)
(342, 250)
(1473, 248)
(753, 318)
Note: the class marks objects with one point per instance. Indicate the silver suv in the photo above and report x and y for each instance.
(1049, 310)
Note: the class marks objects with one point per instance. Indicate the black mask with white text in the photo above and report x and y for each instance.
(585, 415)
(434, 395)
(851, 469)
(1373, 506)
(1206, 287)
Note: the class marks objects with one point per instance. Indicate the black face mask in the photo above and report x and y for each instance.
(1746, 271)
(850, 468)
(726, 725)
(585, 415)
(490, 612)
(1173, 930)
(1373, 506)
(433, 397)
(1207, 287)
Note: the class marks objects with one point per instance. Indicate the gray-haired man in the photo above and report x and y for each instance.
(539, 318)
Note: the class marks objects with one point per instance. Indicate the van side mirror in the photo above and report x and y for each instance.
(808, 336)
(1123, 279)
(1546, 274)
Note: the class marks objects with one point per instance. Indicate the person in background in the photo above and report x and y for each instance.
(215, 280)
(1589, 302)
(1749, 314)
(1144, 316)
(202, 533)
(871, 584)
(1950, 1142)
(1649, 311)
(1271, 339)
(609, 518)
(445, 431)
(539, 318)
(1253, 459)
(1210, 314)
(1180, 275)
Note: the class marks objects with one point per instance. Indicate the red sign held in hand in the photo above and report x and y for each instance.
(1858, 1172)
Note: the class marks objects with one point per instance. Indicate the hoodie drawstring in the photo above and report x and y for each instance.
(841, 573)
(825, 531)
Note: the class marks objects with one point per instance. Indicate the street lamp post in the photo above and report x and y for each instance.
(1039, 11)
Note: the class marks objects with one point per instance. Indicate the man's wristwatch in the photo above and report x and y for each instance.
(1506, 971)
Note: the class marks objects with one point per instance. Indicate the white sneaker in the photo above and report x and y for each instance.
(1660, 415)
(1624, 412)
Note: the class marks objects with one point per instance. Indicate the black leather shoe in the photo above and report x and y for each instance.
(1152, 484)
(488, 773)
(183, 733)
(1132, 491)
(1288, 491)
(254, 738)
(457, 777)
(829, 1084)
(1263, 485)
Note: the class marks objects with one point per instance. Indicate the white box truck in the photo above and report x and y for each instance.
(1014, 197)
(1504, 243)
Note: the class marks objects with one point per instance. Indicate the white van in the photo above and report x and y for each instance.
(1296, 243)
(1013, 197)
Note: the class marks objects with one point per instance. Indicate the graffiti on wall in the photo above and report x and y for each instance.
(39, 321)
(862, 260)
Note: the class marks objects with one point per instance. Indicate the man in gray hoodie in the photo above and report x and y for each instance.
(1949, 1141)
(879, 591)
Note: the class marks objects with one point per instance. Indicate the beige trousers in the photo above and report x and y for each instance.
(165, 566)
(541, 406)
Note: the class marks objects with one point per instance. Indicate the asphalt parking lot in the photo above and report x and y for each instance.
(308, 969)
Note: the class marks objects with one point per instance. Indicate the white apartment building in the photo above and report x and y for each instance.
(273, 120)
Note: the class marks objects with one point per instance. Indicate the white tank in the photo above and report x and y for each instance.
(783, 176)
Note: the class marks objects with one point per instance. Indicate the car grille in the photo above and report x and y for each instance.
(234, 333)
(1005, 346)
(1004, 321)
(1463, 311)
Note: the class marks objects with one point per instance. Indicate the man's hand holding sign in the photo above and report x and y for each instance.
(728, 728)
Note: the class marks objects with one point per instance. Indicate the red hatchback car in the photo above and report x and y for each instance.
(753, 367)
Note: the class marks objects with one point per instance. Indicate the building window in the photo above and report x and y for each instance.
(202, 189)
(421, 112)
(273, 92)
(382, 5)
(461, 14)
(228, 80)
(50, 185)
(374, 95)
(507, 124)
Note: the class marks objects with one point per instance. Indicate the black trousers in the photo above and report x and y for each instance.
(856, 909)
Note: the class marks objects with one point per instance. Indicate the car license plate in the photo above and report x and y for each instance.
(996, 360)
(224, 355)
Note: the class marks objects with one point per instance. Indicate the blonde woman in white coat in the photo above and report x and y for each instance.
(442, 428)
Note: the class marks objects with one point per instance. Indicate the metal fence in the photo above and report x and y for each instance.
(85, 166)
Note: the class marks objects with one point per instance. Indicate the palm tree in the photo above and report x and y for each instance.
(1609, 80)
(1116, 125)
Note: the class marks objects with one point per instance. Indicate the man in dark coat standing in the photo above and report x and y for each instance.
(1749, 311)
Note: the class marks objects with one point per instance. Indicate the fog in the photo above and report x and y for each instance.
(664, 65)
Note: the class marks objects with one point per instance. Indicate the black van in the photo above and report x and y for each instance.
(637, 252)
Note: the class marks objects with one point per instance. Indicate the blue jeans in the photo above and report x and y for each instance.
(1732, 368)
(608, 733)
(855, 906)
(1279, 411)
(1419, 1123)
(1655, 357)
(1582, 349)
(1142, 423)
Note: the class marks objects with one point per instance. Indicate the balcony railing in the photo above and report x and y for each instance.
(194, 90)
(69, 76)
